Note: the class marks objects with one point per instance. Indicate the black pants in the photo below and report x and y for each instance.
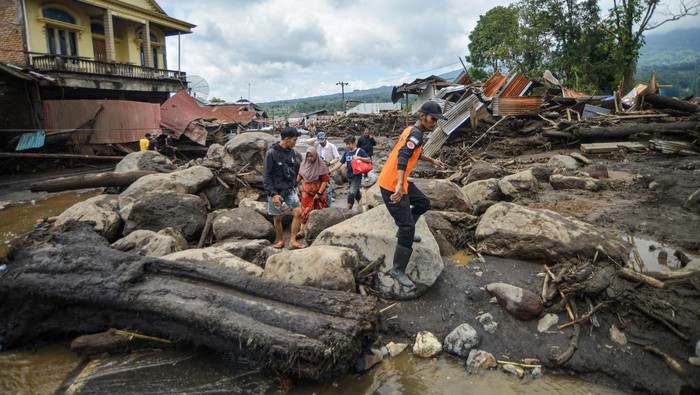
(406, 217)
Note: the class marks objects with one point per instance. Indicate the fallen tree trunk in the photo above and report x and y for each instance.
(100, 180)
(69, 280)
(629, 130)
(663, 102)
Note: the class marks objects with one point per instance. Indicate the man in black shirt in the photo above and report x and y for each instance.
(367, 143)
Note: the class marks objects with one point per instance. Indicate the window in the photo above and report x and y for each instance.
(154, 52)
(59, 40)
(97, 28)
(154, 39)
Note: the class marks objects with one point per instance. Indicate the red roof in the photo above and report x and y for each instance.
(178, 111)
(231, 114)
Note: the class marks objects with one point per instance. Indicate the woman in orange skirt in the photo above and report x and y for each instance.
(315, 176)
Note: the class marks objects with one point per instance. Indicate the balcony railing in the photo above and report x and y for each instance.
(89, 66)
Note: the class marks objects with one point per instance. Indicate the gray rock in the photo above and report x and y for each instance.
(321, 267)
(487, 322)
(320, 220)
(145, 161)
(482, 194)
(373, 235)
(547, 322)
(247, 149)
(536, 373)
(511, 230)
(215, 256)
(596, 170)
(158, 210)
(559, 181)
(479, 360)
(541, 173)
(563, 162)
(462, 340)
(101, 211)
(456, 228)
(520, 303)
(426, 345)
(481, 170)
(255, 251)
(693, 202)
(444, 195)
(261, 208)
(242, 223)
(149, 243)
(518, 184)
(219, 196)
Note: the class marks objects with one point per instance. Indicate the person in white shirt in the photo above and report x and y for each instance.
(328, 152)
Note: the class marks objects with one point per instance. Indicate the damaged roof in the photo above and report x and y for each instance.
(417, 86)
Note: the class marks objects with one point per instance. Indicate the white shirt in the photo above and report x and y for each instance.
(327, 153)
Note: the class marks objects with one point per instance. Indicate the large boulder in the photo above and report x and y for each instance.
(101, 211)
(481, 170)
(444, 195)
(596, 170)
(325, 218)
(519, 184)
(219, 196)
(482, 194)
(214, 157)
(559, 181)
(564, 162)
(187, 181)
(373, 235)
(320, 267)
(149, 243)
(247, 149)
(261, 208)
(457, 229)
(242, 223)
(158, 210)
(692, 204)
(511, 230)
(372, 197)
(255, 251)
(145, 161)
(214, 256)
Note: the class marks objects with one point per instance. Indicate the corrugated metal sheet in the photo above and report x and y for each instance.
(493, 84)
(101, 121)
(456, 116)
(31, 140)
(527, 105)
(516, 86)
(231, 114)
(179, 110)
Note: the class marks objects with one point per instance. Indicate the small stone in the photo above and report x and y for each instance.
(653, 185)
(396, 348)
(516, 370)
(617, 336)
(426, 345)
(480, 360)
(462, 340)
(366, 361)
(479, 274)
(695, 361)
(493, 300)
(547, 322)
(536, 373)
(487, 321)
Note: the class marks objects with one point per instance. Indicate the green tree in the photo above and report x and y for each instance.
(628, 21)
(216, 100)
(491, 42)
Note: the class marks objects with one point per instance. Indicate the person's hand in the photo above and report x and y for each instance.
(277, 201)
(398, 194)
(438, 163)
(317, 196)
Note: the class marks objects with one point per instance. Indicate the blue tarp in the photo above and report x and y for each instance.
(31, 140)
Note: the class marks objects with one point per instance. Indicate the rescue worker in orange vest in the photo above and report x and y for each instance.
(405, 202)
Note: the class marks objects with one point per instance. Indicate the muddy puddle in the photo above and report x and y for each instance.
(653, 256)
(196, 372)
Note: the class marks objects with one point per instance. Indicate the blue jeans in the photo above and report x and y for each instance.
(292, 200)
(329, 191)
(354, 191)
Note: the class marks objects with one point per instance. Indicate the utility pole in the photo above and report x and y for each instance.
(249, 91)
(342, 90)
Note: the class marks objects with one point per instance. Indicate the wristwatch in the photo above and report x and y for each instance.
(319, 193)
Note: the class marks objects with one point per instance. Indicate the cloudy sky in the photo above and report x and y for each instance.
(281, 49)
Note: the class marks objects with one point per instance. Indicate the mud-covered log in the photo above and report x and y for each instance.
(663, 102)
(100, 180)
(70, 280)
(629, 130)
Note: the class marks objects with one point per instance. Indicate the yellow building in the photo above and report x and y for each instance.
(85, 49)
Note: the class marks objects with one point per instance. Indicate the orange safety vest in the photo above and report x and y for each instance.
(390, 172)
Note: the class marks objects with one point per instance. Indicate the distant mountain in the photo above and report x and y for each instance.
(675, 56)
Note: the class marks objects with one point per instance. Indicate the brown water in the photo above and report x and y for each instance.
(39, 371)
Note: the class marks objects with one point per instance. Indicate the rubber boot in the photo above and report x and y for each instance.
(401, 257)
(416, 238)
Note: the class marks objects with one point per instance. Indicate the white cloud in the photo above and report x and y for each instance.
(290, 49)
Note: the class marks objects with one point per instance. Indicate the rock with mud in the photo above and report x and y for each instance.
(559, 181)
(247, 150)
(188, 181)
(692, 204)
(242, 223)
(426, 345)
(487, 322)
(481, 170)
(158, 210)
(462, 340)
(321, 267)
(255, 251)
(596, 170)
(564, 162)
(511, 230)
(219, 196)
(519, 184)
(520, 303)
(444, 195)
(145, 161)
(320, 220)
(149, 243)
(482, 194)
(541, 173)
(456, 228)
(214, 157)
(480, 360)
(206, 257)
(261, 208)
(373, 235)
(100, 211)
(372, 197)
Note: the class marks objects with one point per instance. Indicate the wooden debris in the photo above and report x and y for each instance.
(630, 274)
(602, 148)
(99, 180)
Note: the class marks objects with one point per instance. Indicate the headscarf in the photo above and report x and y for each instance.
(312, 171)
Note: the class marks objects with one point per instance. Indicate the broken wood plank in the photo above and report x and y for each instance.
(602, 148)
(663, 102)
(100, 180)
(630, 274)
(629, 130)
(59, 156)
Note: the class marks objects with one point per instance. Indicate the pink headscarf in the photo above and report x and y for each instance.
(312, 171)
